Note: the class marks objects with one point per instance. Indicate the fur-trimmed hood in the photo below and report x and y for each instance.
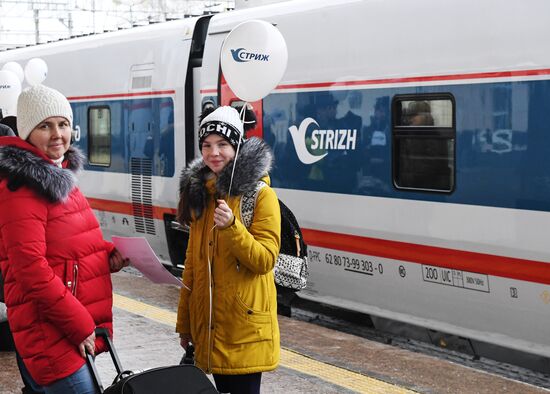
(254, 162)
(22, 165)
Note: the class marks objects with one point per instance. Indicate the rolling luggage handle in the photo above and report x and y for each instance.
(102, 332)
(173, 379)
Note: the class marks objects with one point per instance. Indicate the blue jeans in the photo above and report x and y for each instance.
(80, 382)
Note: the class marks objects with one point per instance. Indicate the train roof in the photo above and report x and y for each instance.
(386, 38)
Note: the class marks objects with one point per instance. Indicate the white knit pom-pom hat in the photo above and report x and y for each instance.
(37, 104)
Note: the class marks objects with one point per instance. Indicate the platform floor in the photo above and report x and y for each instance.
(314, 359)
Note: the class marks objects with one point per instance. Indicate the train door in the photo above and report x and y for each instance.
(193, 96)
(176, 234)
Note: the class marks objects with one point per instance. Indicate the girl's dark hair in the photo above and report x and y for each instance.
(183, 215)
(191, 205)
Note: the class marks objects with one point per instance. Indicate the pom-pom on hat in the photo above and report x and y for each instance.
(37, 104)
(223, 121)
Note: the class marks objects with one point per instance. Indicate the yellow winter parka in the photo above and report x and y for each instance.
(229, 301)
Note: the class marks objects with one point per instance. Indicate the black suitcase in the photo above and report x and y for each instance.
(176, 379)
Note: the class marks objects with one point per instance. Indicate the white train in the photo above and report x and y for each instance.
(425, 199)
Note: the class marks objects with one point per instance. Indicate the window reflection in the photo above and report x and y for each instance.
(424, 143)
(99, 129)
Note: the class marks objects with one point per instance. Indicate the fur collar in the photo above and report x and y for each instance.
(254, 162)
(23, 167)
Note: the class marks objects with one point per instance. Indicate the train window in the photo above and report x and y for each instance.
(424, 142)
(429, 113)
(99, 136)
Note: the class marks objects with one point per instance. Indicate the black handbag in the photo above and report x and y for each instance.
(175, 379)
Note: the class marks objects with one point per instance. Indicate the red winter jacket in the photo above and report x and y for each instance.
(54, 260)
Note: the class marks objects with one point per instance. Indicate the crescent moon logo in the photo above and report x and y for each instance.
(236, 55)
(299, 140)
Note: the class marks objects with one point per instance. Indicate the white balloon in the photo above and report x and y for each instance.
(253, 59)
(15, 68)
(36, 71)
(10, 87)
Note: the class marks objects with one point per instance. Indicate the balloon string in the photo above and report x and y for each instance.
(242, 114)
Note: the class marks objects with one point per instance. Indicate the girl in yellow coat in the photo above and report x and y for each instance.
(228, 304)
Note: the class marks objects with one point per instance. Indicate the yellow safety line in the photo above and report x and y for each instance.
(157, 314)
(289, 359)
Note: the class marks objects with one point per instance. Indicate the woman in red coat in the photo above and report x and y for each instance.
(55, 264)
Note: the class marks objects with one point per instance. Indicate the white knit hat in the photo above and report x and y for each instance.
(37, 104)
(224, 121)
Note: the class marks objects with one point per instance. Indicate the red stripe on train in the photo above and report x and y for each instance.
(125, 208)
(506, 267)
(427, 78)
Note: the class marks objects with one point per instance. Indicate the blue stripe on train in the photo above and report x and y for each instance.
(502, 143)
(140, 128)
